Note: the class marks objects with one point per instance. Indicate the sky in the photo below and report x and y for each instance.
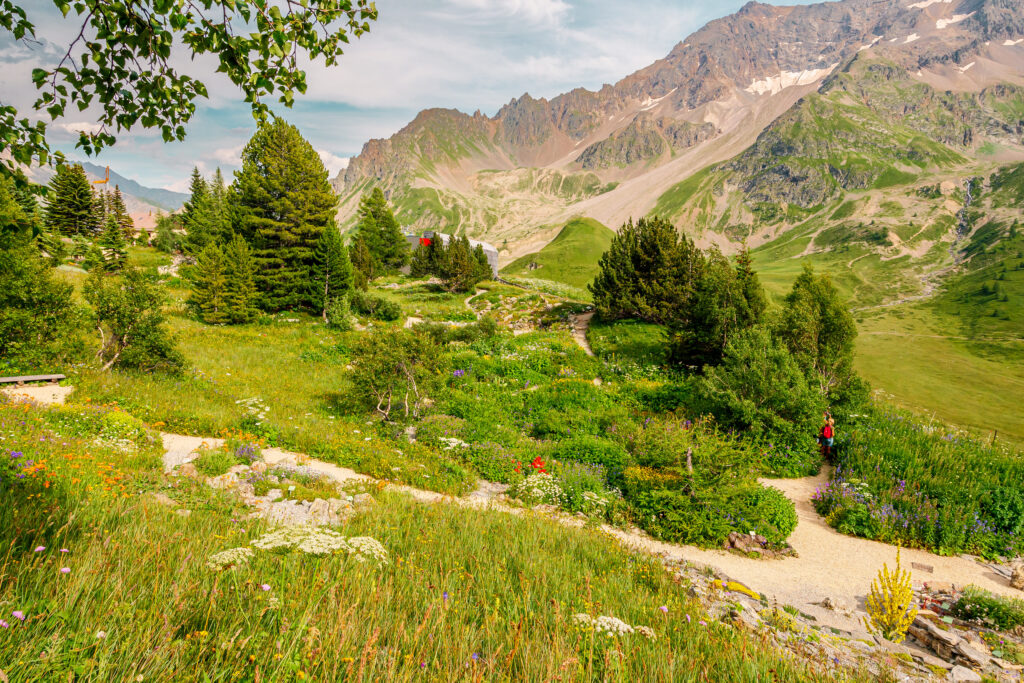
(463, 54)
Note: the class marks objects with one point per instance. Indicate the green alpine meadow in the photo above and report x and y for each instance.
(709, 368)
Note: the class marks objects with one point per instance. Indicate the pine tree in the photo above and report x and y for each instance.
(461, 270)
(69, 209)
(220, 208)
(99, 210)
(332, 273)
(240, 272)
(282, 202)
(197, 216)
(208, 299)
(120, 212)
(362, 263)
(113, 246)
(379, 228)
(419, 265)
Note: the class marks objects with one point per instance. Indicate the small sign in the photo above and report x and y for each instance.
(923, 567)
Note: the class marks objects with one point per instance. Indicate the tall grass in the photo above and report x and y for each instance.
(900, 479)
(466, 595)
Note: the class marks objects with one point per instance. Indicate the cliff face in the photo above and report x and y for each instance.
(921, 83)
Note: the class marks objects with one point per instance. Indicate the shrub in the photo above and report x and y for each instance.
(583, 487)
(889, 603)
(339, 314)
(593, 450)
(769, 513)
(213, 463)
(395, 367)
(374, 306)
(1003, 614)
(494, 462)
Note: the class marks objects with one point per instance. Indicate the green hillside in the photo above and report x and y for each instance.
(570, 258)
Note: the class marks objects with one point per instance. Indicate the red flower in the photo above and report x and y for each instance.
(538, 464)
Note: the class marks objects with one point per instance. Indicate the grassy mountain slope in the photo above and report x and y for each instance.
(571, 257)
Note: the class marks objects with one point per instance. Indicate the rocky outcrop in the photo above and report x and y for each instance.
(643, 139)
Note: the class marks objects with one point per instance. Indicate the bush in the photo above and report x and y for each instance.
(339, 314)
(493, 462)
(374, 306)
(593, 450)
(213, 463)
(1003, 614)
(769, 513)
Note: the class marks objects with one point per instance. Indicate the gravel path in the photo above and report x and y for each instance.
(580, 325)
(828, 564)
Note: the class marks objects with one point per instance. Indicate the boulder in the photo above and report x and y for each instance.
(188, 470)
(274, 494)
(963, 675)
(746, 543)
(259, 467)
(228, 480)
(1017, 576)
(363, 500)
(163, 499)
(939, 641)
(239, 469)
(972, 654)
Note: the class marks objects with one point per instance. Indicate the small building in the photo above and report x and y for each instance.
(489, 250)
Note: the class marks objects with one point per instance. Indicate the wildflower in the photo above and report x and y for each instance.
(702, 623)
(40, 548)
(101, 635)
(265, 587)
(664, 608)
(65, 570)
(444, 596)
(688, 619)
(229, 559)
(18, 614)
(64, 550)
(476, 656)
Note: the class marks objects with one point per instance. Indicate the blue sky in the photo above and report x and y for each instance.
(466, 54)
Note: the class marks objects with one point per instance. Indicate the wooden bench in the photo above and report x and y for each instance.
(20, 381)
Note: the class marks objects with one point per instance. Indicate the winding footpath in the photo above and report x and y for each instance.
(827, 564)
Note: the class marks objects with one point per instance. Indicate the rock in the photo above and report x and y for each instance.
(931, 660)
(835, 604)
(274, 494)
(319, 511)
(973, 655)
(188, 470)
(963, 674)
(238, 469)
(931, 636)
(746, 543)
(163, 499)
(259, 467)
(1017, 577)
(363, 500)
(224, 481)
(273, 479)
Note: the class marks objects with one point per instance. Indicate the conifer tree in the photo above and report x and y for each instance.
(381, 231)
(332, 273)
(113, 246)
(240, 272)
(208, 299)
(98, 212)
(197, 215)
(220, 208)
(750, 284)
(69, 206)
(362, 263)
(282, 202)
(461, 271)
(120, 212)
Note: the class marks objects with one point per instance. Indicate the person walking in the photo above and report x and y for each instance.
(828, 433)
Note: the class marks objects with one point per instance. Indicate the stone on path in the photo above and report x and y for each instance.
(963, 674)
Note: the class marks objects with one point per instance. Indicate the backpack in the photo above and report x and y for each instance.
(827, 432)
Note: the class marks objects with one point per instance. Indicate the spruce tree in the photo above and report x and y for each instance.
(120, 212)
(113, 246)
(240, 273)
(419, 265)
(362, 263)
(332, 273)
(208, 299)
(461, 271)
(750, 284)
(220, 208)
(197, 216)
(98, 212)
(282, 202)
(381, 231)
(69, 206)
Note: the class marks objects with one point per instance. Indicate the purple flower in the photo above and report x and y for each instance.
(40, 548)
(16, 454)
(4, 624)
(265, 587)
(664, 608)
(18, 614)
(702, 623)
(444, 596)
(687, 618)
(65, 570)
(476, 656)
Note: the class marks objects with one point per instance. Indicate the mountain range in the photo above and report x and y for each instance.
(752, 126)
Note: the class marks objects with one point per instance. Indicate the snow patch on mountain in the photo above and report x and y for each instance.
(957, 18)
(773, 85)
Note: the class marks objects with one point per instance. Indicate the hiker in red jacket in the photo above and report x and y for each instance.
(827, 436)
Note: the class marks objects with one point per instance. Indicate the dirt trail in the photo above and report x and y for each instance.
(580, 325)
(828, 564)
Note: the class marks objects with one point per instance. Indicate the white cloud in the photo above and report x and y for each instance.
(77, 127)
(536, 11)
(228, 156)
(332, 162)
